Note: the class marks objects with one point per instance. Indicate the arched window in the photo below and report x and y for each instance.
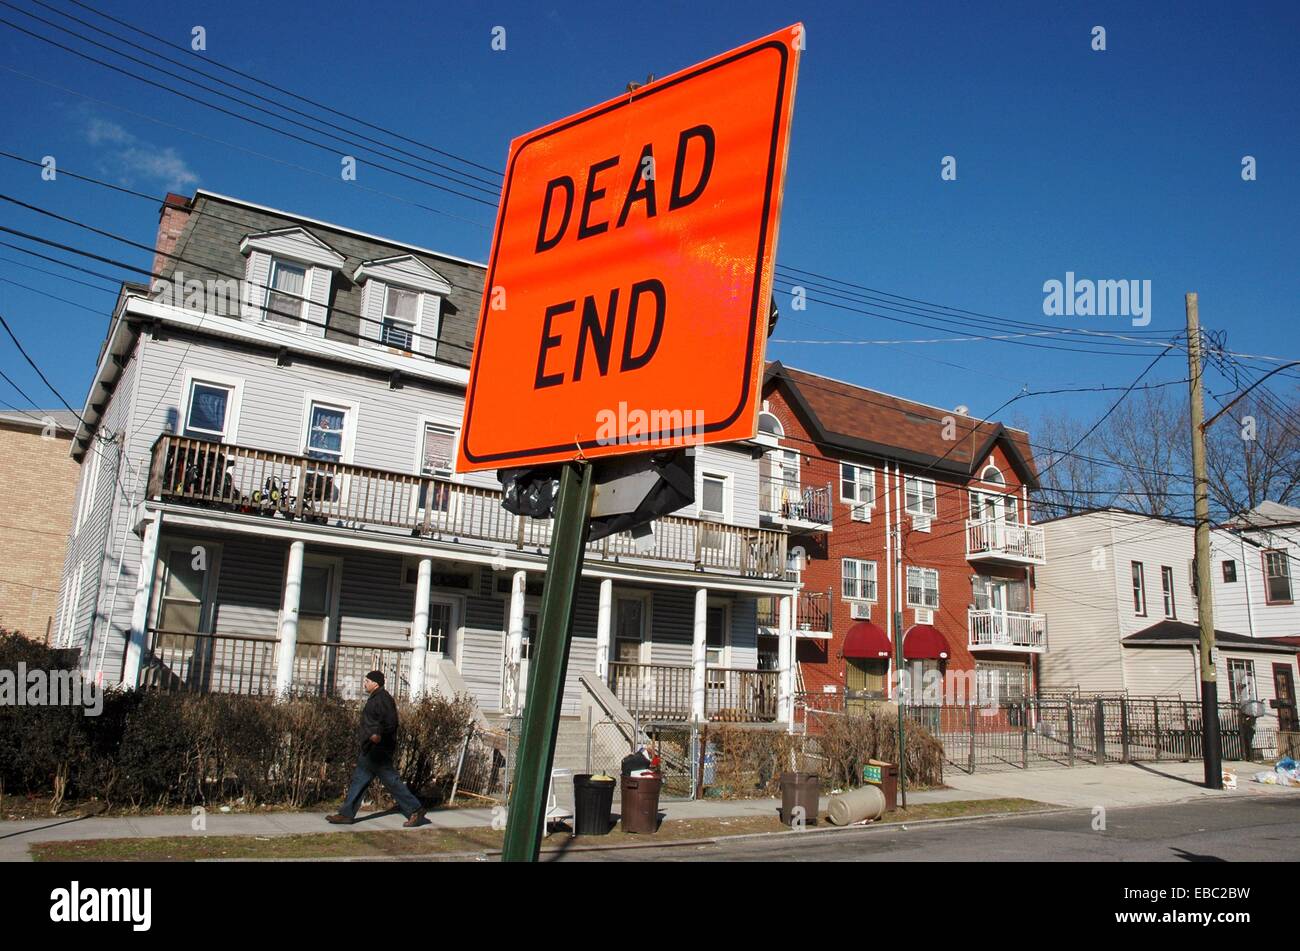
(768, 423)
(992, 475)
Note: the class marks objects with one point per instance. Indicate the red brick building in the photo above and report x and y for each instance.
(899, 504)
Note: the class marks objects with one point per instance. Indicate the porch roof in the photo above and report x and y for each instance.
(1181, 634)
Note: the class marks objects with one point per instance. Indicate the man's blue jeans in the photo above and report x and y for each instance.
(369, 768)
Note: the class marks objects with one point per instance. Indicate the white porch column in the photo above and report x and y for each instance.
(137, 645)
(420, 628)
(289, 620)
(603, 621)
(699, 653)
(785, 662)
(515, 642)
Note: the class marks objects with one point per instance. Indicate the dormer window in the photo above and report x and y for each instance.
(285, 298)
(288, 278)
(401, 315)
(401, 304)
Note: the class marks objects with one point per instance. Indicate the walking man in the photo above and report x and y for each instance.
(378, 736)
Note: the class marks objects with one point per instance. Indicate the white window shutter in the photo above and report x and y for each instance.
(430, 309)
(257, 274)
(318, 298)
(372, 312)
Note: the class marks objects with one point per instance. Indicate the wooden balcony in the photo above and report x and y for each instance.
(1005, 542)
(1017, 631)
(794, 506)
(234, 478)
(812, 614)
(663, 692)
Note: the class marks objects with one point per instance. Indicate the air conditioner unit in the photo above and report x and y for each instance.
(921, 523)
(860, 513)
(860, 610)
(924, 615)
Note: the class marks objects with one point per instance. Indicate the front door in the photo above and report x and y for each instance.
(629, 635)
(315, 660)
(1284, 693)
(525, 651)
(864, 681)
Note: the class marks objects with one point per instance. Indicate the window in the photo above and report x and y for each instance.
(922, 587)
(439, 634)
(994, 507)
(1277, 577)
(1241, 680)
(437, 458)
(209, 410)
(1139, 590)
(1229, 571)
(325, 432)
(1001, 683)
(715, 645)
(713, 495)
(401, 308)
(992, 476)
(531, 623)
(859, 579)
(287, 294)
(919, 497)
(857, 484)
(628, 630)
(769, 424)
(1191, 576)
(1167, 588)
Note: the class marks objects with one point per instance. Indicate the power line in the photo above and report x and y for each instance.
(44, 379)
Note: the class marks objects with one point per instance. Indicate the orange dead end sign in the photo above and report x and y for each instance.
(626, 300)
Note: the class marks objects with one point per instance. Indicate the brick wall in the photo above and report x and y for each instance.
(38, 486)
(942, 548)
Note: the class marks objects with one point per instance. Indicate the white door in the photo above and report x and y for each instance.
(525, 651)
(315, 660)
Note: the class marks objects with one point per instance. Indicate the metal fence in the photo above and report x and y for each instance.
(487, 763)
(1075, 730)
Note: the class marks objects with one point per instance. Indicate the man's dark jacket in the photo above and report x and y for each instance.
(379, 716)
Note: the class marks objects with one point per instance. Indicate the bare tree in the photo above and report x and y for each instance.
(1146, 440)
(1071, 479)
(1252, 453)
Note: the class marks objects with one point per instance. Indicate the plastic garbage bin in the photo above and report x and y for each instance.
(593, 800)
(640, 805)
(885, 776)
(800, 790)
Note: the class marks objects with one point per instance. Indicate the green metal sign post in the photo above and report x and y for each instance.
(547, 665)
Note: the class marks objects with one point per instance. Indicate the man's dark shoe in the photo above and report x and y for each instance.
(339, 820)
(417, 818)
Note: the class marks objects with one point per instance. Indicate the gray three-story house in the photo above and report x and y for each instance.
(268, 500)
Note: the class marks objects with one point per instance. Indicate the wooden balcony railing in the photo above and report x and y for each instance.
(246, 663)
(812, 611)
(663, 692)
(239, 479)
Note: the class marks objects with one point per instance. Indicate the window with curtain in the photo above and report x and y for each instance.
(1167, 589)
(325, 433)
(1241, 680)
(208, 412)
(286, 296)
(401, 308)
(1139, 588)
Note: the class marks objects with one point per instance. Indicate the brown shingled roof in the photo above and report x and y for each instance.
(867, 421)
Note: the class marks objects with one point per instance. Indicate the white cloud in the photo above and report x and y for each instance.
(131, 159)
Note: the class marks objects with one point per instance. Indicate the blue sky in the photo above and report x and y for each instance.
(1115, 164)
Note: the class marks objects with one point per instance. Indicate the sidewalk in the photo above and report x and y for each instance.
(15, 837)
(1127, 784)
(1079, 787)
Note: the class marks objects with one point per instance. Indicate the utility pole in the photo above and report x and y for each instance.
(1210, 741)
(898, 663)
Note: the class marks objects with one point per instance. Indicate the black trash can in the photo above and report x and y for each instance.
(800, 789)
(593, 801)
(640, 803)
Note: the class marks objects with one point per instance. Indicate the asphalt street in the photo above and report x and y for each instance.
(1242, 830)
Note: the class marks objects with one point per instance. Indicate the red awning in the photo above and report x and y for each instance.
(865, 640)
(924, 642)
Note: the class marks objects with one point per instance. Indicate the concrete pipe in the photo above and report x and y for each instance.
(865, 802)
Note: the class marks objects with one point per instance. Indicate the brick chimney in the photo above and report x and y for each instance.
(172, 217)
